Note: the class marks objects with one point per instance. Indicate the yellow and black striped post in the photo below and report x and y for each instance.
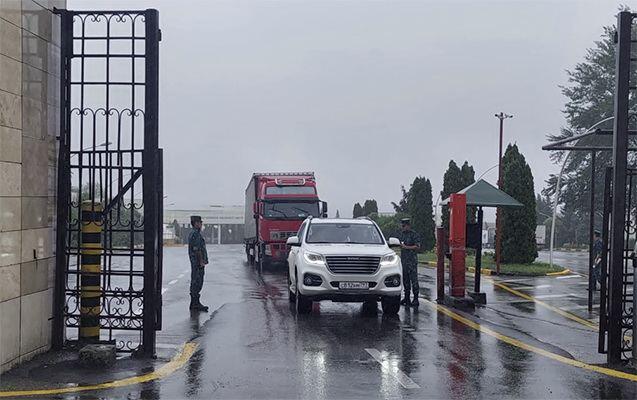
(91, 292)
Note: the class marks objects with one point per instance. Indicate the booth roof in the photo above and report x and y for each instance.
(482, 193)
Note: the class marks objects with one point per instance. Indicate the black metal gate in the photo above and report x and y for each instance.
(617, 308)
(110, 164)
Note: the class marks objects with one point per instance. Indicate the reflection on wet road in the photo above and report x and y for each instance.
(253, 345)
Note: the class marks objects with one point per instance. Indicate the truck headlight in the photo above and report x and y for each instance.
(389, 259)
(314, 258)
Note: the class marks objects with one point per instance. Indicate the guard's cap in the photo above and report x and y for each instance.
(597, 232)
(405, 221)
(195, 218)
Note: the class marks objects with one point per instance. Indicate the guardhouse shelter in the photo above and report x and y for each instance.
(479, 194)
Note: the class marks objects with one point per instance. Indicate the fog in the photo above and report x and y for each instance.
(366, 94)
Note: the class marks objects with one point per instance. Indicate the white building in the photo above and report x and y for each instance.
(222, 223)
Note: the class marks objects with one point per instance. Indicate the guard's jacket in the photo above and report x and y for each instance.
(409, 238)
(197, 248)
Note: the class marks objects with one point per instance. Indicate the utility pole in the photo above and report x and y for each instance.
(498, 218)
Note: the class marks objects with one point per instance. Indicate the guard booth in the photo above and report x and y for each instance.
(463, 235)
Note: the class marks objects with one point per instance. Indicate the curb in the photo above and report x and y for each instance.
(484, 271)
(565, 272)
(488, 272)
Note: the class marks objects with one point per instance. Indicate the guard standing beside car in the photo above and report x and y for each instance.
(410, 244)
(198, 261)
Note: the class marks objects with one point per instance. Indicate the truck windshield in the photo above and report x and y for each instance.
(291, 210)
(344, 233)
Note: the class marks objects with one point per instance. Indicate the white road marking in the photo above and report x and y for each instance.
(568, 277)
(509, 301)
(515, 280)
(533, 287)
(180, 276)
(163, 290)
(402, 377)
(173, 281)
(569, 308)
(582, 283)
(551, 296)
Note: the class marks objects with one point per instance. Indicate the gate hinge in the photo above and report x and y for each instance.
(159, 36)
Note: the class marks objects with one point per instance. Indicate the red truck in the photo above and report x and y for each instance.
(275, 206)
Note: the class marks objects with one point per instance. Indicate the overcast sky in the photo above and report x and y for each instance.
(366, 94)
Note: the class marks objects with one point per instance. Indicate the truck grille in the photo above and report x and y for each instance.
(278, 235)
(352, 264)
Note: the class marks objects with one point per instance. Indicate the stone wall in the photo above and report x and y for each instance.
(29, 124)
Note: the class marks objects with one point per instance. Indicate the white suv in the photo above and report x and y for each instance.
(345, 260)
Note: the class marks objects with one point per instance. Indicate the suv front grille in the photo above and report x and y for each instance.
(352, 264)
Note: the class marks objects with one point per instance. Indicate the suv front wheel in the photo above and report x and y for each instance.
(303, 304)
(291, 295)
(391, 305)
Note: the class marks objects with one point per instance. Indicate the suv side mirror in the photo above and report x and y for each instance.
(393, 242)
(293, 241)
(324, 208)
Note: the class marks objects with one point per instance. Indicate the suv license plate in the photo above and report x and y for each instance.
(353, 285)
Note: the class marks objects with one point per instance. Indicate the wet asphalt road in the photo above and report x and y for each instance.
(576, 261)
(253, 345)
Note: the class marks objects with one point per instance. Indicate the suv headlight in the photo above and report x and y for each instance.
(389, 259)
(314, 258)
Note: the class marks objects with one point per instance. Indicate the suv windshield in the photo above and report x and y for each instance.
(344, 233)
(291, 210)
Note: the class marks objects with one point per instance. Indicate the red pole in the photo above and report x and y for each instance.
(440, 265)
(457, 240)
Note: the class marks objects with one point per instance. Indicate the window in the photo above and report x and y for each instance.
(301, 231)
(290, 190)
(344, 233)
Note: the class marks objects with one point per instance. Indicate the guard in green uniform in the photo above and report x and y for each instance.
(198, 261)
(410, 244)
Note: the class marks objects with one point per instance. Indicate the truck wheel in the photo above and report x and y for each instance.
(249, 256)
(261, 262)
(391, 305)
(291, 295)
(303, 304)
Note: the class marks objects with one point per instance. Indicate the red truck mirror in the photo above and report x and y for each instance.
(255, 209)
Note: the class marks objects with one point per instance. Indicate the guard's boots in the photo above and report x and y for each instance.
(415, 302)
(200, 306)
(405, 301)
